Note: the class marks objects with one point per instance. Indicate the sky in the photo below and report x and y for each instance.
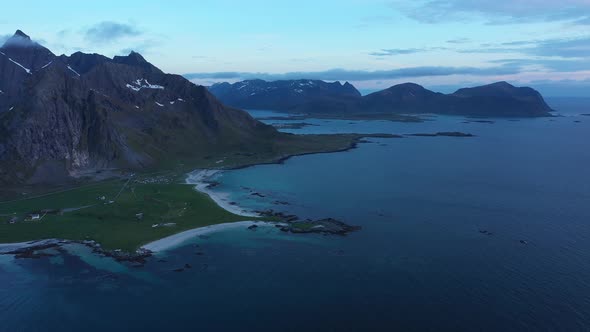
(441, 44)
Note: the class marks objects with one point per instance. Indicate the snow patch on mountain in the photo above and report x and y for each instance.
(142, 83)
(18, 64)
(75, 72)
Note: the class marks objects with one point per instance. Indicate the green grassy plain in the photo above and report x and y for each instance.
(113, 225)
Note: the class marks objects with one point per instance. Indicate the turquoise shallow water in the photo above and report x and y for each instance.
(420, 262)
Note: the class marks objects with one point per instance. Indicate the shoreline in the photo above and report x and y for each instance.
(199, 178)
(178, 239)
(9, 248)
(281, 160)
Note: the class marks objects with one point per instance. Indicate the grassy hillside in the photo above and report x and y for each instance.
(81, 214)
(87, 213)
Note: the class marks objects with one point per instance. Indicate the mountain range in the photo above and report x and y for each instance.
(62, 117)
(282, 95)
(499, 99)
(65, 115)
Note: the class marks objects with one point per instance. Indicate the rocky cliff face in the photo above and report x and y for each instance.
(61, 114)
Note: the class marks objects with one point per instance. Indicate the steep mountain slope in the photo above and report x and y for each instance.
(60, 116)
(282, 95)
(498, 99)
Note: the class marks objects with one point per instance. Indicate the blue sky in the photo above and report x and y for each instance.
(373, 44)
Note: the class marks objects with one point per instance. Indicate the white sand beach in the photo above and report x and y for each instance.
(176, 240)
(199, 178)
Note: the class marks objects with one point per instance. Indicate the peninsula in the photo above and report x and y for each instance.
(95, 149)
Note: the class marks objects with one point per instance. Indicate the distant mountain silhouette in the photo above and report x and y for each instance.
(305, 96)
(282, 95)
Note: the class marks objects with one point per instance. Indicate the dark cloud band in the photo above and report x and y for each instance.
(360, 75)
(108, 31)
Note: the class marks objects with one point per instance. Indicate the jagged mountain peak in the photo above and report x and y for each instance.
(19, 39)
(20, 33)
(133, 58)
(20, 58)
(285, 94)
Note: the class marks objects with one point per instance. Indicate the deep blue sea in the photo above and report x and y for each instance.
(420, 262)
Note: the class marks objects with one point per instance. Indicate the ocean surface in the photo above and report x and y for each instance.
(489, 233)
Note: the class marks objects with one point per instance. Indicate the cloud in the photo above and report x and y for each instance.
(362, 75)
(567, 48)
(143, 47)
(63, 33)
(403, 51)
(393, 51)
(518, 43)
(564, 48)
(494, 12)
(4, 38)
(459, 41)
(556, 65)
(583, 21)
(563, 88)
(108, 31)
(17, 40)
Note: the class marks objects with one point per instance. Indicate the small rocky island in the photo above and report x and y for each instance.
(292, 224)
(322, 226)
(294, 125)
(444, 133)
